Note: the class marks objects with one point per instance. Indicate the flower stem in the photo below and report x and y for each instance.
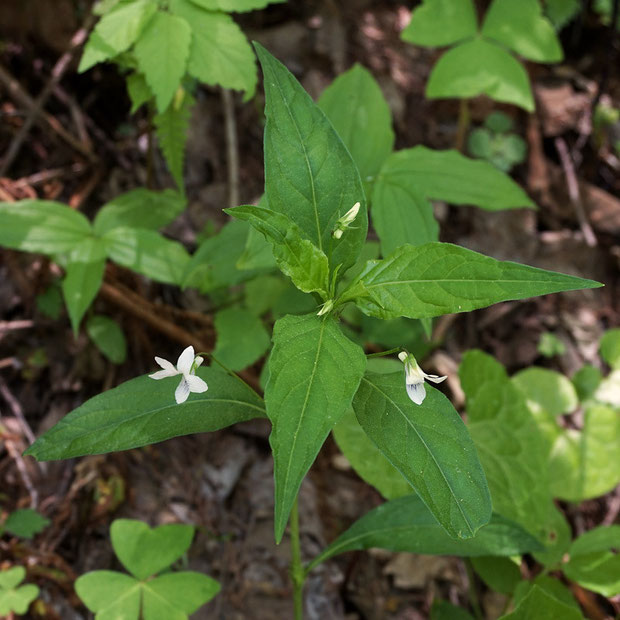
(382, 353)
(297, 570)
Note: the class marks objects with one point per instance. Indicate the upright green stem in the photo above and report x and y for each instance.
(463, 126)
(473, 595)
(297, 570)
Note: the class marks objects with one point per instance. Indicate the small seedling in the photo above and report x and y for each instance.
(13, 598)
(24, 523)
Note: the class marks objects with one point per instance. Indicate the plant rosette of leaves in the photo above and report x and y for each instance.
(13, 597)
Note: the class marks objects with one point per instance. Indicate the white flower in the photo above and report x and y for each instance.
(414, 378)
(186, 366)
(343, 223)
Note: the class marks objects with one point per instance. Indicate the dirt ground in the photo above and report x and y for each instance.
(222, 482)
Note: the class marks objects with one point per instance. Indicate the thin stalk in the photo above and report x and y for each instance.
(297, 570)
(383, 353)
(463, 125)
(473, 595)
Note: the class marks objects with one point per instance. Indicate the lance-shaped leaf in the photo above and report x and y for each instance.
(407, 525)
(430, 446)
(441, 278)
(296, 256)
(314, 370)
(309, 174)
(142, 411)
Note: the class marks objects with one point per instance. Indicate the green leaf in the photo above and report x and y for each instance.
(450, 176)
(540, 604)
(148, 253)
(441, 278)
(441, 22)
(107, 334)
(262, 293)
(241, 338)
(139, 208)
(523, 28)
(610, 348)
(95, 51)
(407, 525)
(111, 595)
(9, 578)
(50, 302)
(138, 90)
(547, 390)
(480, 68)
(219, 53)
(41, 226)
(177, 592)
(550, 585)
(142, 411)
(121, 27)
(162, 52)
(358, 111)
(12, 598)
(501, 574)
(84, 274)
(430, 446)
(25, 523)
(367, 460)
(442, 610)
(144, 551)
(594, 561)
(237, 6)
(586, 381)
(296, 256)
(309, 174)
(257, 253)
(314, 371)
(172, 126)
(560, 12)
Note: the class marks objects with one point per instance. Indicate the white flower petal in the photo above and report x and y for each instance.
(185, 361)
(165, 364)
(162, 374)
(434, 378)
(196, 384)
(416, 392)
(182, 391)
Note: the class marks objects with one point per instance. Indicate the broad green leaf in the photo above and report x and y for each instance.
(107, 334)
(262, 292)
(41, 226)
(314, 371)
(594, 560)
(586, 381)
(367, 460)
(296, 256)
(309, 174)
(84, 273)
(558, 539)
(610, 348)
(25, 523)
(551, 586)
(431, 448)
(146, 551)
(585, 464)
(540, 604)
(547, 390)
(234, 6)
(138, 90)
(139, 208)
(560, 12)
(162, 52)
(480, 68)
(121, 27)
(241, 338)
(523, 28)
(111, 595)
(441, 22)
(172, 126)
(454, 178)
(442, 610)
(406, 524)
(182, 593)
(257, 253)
(95, 51)
(441, 278)
(9, 578)
(142, 411)
(501, 574)
(12, 598)
(219, 53)
(148, 253)
(358, 111)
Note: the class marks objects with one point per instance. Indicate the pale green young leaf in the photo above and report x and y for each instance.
(172, 126)
(540, 604)
(13, 598)
(454, 178)
(441, 278)
(95, 51)
(501, 574)
(314, 371)
(9, 578)
(441, 22)
(523, 28)
(309, 173)
(479, 67)
(143, 411)
(41, 226)
(430, 446)
(406, 524)
(111, 595)
(610, 348)
(547, 390)
(121, 27)
(219, 53)
(139, 208)
(148, 253)
(107, 334)
(138, 90)
(367, 460)
(296, 256)
(241, 338)
(162, 52)
(358, 111)
(235, 6)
